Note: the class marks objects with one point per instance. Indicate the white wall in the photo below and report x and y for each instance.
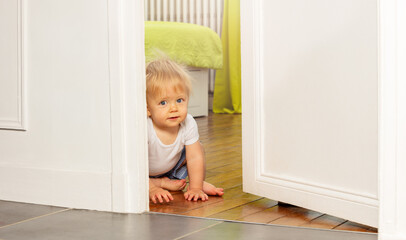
(64, 155)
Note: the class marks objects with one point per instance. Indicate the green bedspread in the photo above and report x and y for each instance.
(190, 44)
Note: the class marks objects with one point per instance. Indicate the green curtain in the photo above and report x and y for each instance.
(227, 89)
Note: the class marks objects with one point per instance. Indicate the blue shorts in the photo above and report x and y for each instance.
(177, 172)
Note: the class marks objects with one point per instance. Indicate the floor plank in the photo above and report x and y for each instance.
(324, 222)
(245, 210)
(352, 226)
(266, 216)
(297, 218)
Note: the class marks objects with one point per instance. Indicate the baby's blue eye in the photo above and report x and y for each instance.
(163, 103)
(179, 100)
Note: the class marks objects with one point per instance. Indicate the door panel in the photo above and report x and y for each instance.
(310, 118)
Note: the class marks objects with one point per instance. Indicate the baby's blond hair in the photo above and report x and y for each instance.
(162, 73)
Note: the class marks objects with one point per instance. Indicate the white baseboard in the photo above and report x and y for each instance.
(71, 189)
(318, 198)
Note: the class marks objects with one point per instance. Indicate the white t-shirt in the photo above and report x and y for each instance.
(162, 158)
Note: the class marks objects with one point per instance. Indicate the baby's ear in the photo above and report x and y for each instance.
(148, 113)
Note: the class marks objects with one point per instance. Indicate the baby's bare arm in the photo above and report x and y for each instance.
(196, 171)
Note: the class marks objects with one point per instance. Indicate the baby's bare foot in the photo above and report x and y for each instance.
(169, 184)
(209, 189)
(173, 184)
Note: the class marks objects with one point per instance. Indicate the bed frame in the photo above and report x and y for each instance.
(199, 99)
(207, 13)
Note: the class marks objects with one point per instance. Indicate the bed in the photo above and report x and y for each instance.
(193, 45)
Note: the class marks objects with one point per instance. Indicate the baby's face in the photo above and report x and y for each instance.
(169, 110)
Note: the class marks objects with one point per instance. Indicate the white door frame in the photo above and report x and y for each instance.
(128, 107)
(392, 119)
(130, 154)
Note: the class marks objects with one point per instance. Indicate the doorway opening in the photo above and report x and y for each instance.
(221, 137)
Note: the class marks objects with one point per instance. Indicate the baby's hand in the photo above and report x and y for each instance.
(160, 195)
(195, 194)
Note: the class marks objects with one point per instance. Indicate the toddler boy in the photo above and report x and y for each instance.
(173, 146)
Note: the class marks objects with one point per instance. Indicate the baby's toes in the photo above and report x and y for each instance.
(220, 191)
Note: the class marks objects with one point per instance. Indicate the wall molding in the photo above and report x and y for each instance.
(19, 121)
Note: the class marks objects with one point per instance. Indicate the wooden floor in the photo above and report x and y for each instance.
(221, 137)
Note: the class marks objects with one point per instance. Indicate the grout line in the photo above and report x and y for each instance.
(188, 234)
(64, 210)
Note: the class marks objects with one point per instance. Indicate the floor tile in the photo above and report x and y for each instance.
(13, 212)
(235, 231)
(89, 225)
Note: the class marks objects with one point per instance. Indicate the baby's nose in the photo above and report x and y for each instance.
(174, 107)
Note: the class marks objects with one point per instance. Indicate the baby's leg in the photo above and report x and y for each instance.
(209, 189)
(169, 184)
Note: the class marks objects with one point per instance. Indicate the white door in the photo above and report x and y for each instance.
(310, 104)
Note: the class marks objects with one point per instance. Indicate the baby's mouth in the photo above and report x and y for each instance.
(173, 118)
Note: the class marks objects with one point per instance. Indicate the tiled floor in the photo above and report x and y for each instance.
(28, 221)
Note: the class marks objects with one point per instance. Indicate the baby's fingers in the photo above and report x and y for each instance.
(189, 196)
(159, 197)
(204, 197)
(166, 196)
(169, 196)
(201, 196)
(196, 197)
